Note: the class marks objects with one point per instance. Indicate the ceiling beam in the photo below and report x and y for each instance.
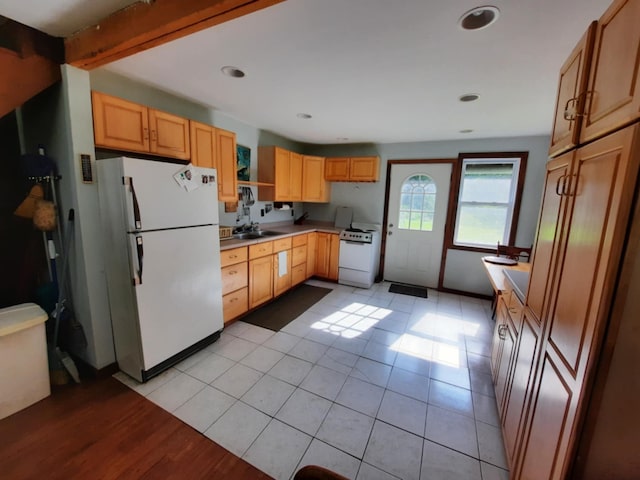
(144, 25)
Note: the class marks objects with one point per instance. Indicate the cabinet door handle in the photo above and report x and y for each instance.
(145, 133)
(233, 272)
(502, 332)
(572, 186)
(560, 178)
(154, 135)
(570, 113)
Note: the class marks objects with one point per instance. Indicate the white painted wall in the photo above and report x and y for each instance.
(463, 269)
(60, 118)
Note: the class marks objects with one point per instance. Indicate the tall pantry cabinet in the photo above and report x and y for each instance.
(564, 389)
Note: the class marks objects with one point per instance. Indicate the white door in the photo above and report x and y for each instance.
(417, 213)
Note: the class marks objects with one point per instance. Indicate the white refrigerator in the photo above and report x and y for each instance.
(162, 261)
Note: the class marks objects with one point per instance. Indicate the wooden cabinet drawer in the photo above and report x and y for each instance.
(298, 273)
(230, 257)
(299, 240)
(299, 255)
(515, 310)
(234, 304)
(281, 244)
(260, 250)
(234, 277)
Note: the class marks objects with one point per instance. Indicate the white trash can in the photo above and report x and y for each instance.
(24, 368)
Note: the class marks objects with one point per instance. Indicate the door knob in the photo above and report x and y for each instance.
(391, 225)
(390, 232)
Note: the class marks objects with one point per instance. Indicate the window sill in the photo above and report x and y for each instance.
(468, 248)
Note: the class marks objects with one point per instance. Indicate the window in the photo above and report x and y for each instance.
(417, 203)
(488, 199)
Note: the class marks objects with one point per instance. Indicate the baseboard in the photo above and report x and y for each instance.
(89, 371)
(465, 294)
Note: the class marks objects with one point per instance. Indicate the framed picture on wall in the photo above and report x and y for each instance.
(244, 163)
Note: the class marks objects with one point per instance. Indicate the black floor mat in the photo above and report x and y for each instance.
(408, 290)
(289, 306)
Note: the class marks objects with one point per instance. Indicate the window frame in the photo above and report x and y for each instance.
(410, 211)
(452, 217)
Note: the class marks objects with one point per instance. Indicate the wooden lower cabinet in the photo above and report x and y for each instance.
(260, 273)
(504, 344)
(281, 273)
(235, 304)
(260, 280)
(327, 251)
(312, 247)
(523, 371)
(235, 281)
(299, 260)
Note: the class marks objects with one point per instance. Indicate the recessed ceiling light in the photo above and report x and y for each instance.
(466, 130)
(304, 116)
(469, 97)
(479, 18)
(234, 72)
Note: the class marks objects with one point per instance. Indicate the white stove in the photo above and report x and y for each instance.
(359, 255)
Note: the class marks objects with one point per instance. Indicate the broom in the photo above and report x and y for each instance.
(63, 357)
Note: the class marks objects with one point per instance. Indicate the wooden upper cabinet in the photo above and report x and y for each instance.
(281, 173)
(336, 169)
(119, 124)
(226, 165)
(295, 177)
(203, 144)
(364, 169)
(352, 169)
(282, 170)
(314, 185)
(169, 135)
(613, 93)
(570, 98)
(122, 125)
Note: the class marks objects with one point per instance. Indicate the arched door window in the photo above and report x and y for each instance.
(417, 203)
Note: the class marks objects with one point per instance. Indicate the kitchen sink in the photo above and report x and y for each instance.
(256, 235)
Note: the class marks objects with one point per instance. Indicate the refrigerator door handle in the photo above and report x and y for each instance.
(136, 208)
(137, 280)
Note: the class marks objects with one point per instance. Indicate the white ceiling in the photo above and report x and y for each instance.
(368, 70)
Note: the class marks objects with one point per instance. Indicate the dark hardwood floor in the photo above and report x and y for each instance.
(102, 429)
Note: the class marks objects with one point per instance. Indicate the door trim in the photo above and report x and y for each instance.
(385, 218)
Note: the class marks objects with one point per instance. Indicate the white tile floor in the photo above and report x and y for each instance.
(370, 384)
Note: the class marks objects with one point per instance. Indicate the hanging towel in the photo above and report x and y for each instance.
(282, 263)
